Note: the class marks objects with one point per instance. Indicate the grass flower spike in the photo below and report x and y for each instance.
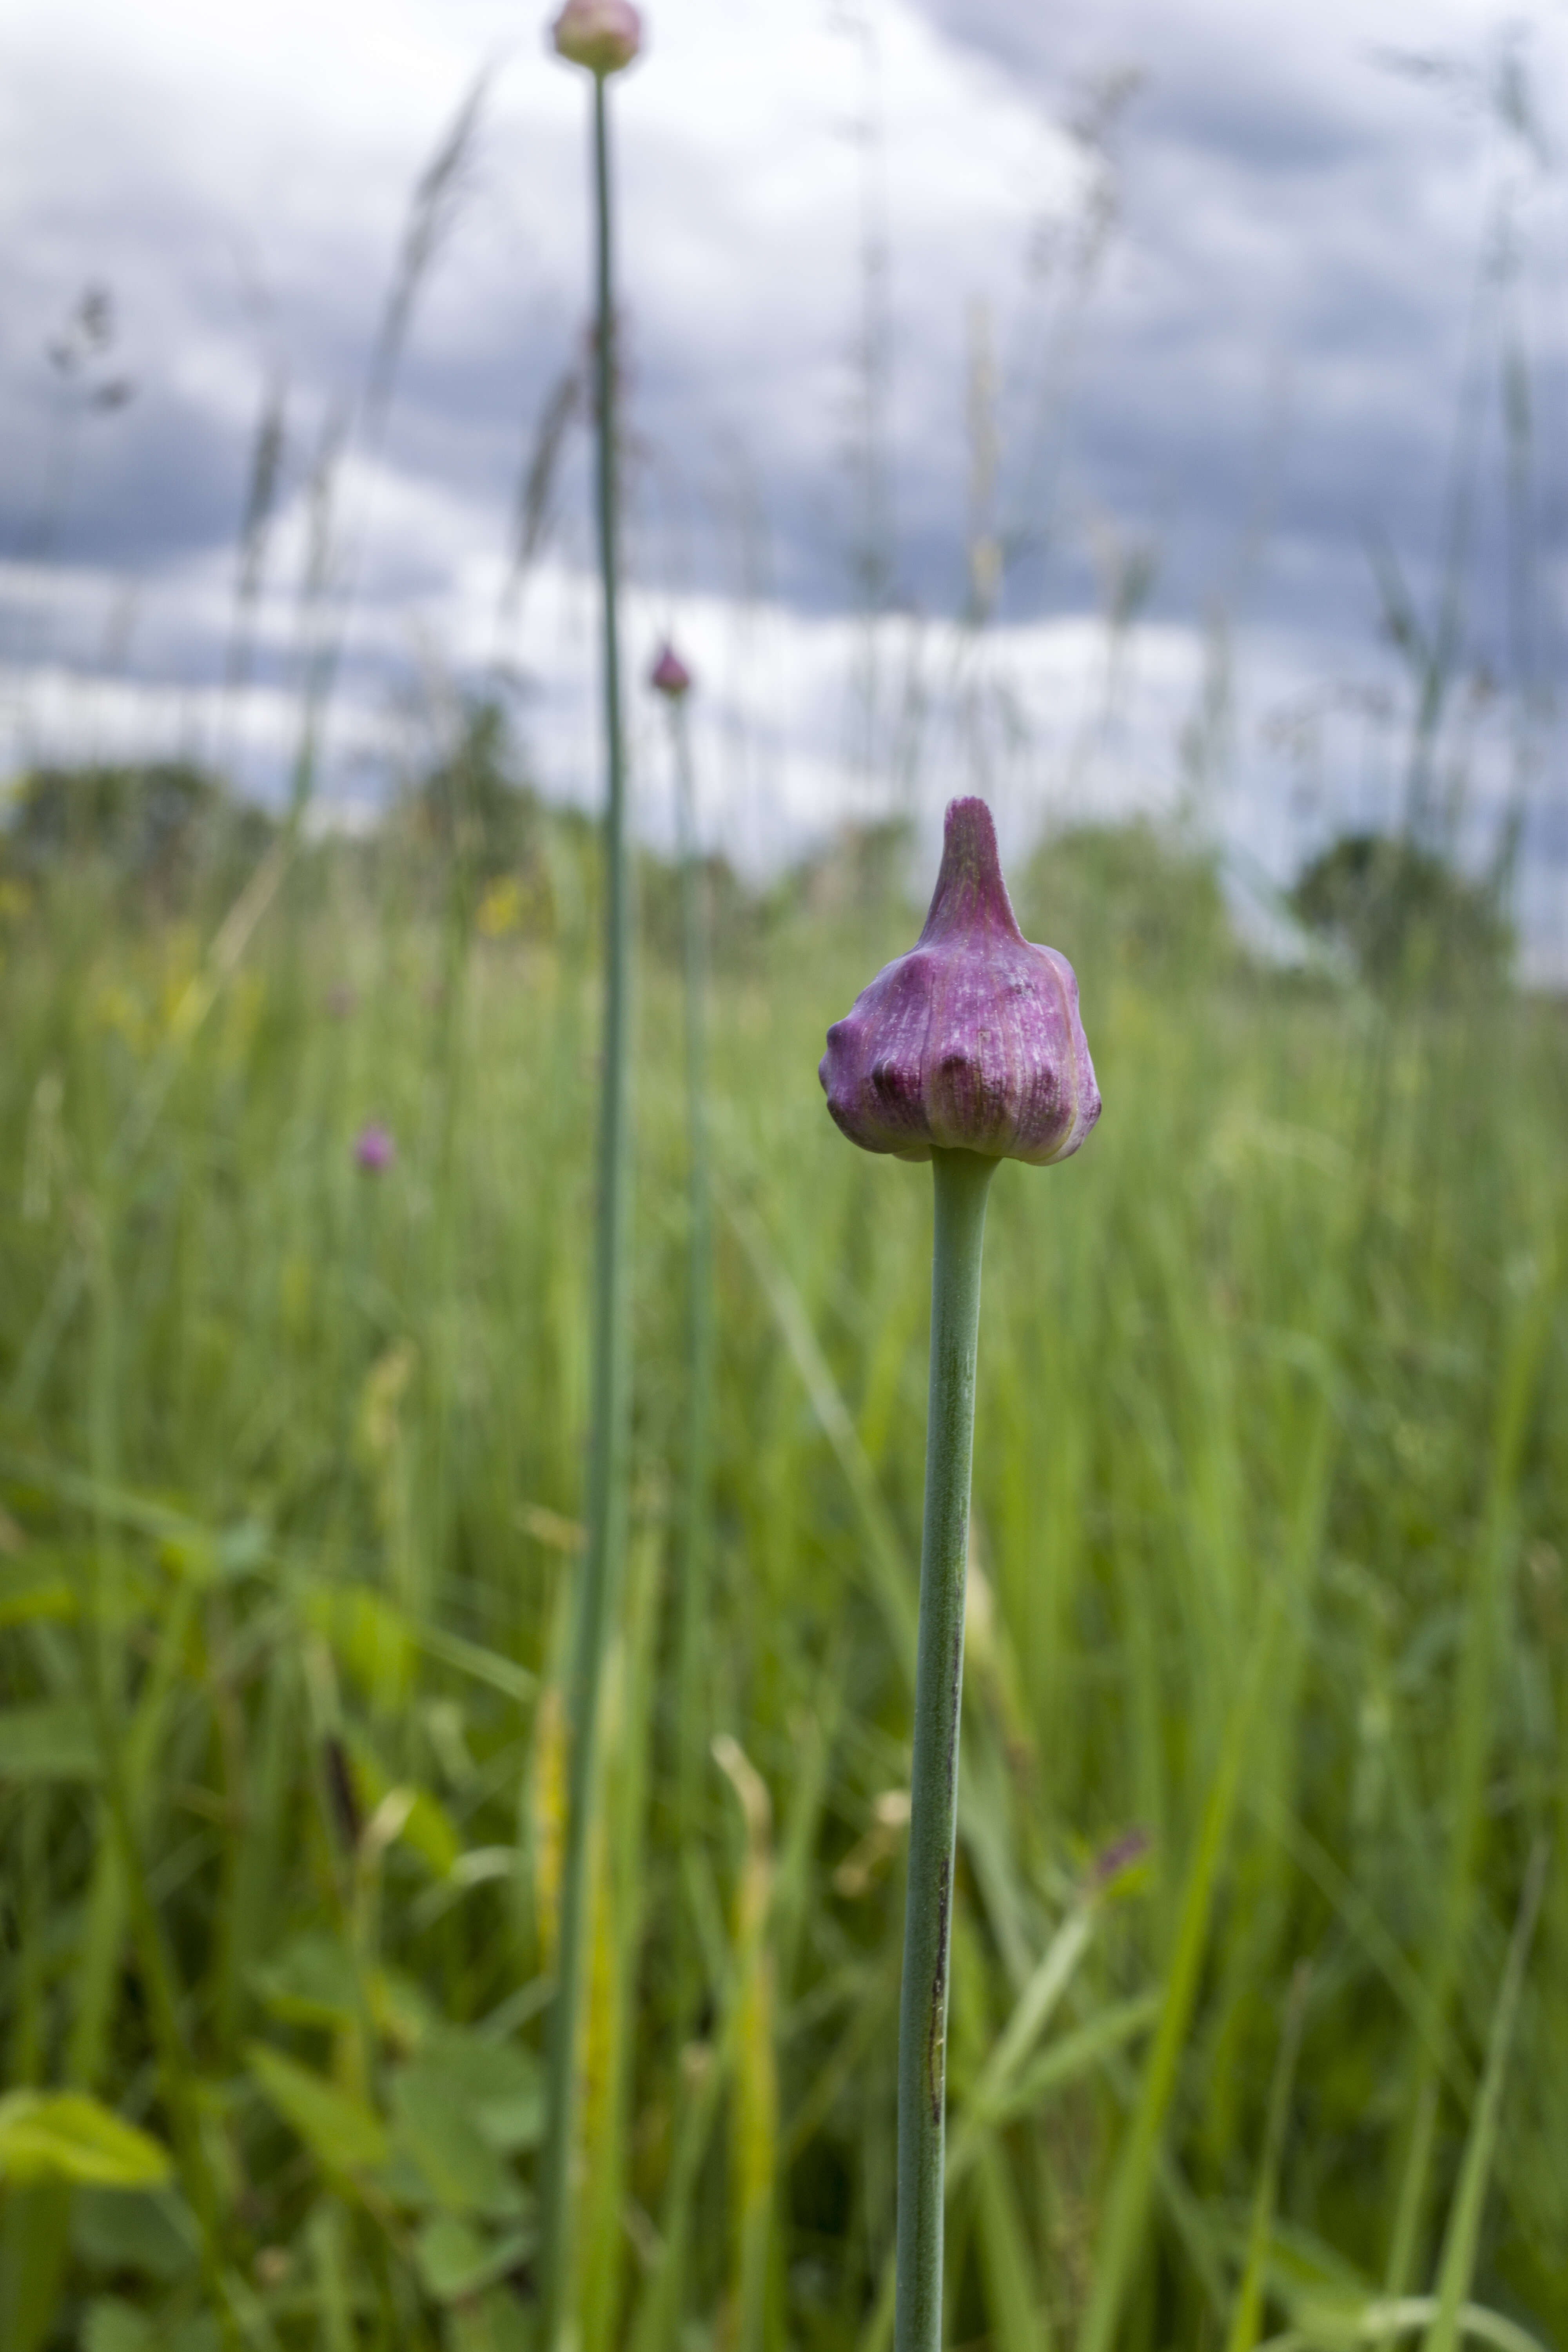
(966, 1051)
(602, 35)
(972, 1041)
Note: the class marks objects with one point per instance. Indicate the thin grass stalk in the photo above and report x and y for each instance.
(1247, 2320)
(962, 1184)
(611, 1369)
(1461, 2237)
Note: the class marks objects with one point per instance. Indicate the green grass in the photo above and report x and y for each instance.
(1271, 1454)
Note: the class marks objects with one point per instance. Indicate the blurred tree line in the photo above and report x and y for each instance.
(473, 830)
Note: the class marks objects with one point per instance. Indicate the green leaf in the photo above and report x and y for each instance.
(113, 2325)
(65, 2135)
(52, 1741)
(496, 2083)
(437, 2129)
(30, 1591)
(153, 2233)
(455, 2260)
(310, 1982)
(340, 2130)
(426, 1828)
(371, 1639)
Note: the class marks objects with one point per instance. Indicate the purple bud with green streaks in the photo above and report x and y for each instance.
(972, 1041)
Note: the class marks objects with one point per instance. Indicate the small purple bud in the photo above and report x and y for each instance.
(374, 1150)
(1118, 1858)
(670, 675)
(602, 35)
(972, 1041)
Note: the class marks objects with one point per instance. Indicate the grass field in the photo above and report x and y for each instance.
(1260, 2000)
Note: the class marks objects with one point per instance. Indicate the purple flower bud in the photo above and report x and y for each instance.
(670, 675)
(972, 1041)
(374, 1150)
(602, 35)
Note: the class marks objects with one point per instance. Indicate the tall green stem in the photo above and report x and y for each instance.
(611, 1403)
(963, 1181)
(692, 1714)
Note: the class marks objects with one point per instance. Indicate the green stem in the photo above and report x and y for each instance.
(962, 1180)
(693, 1716)
(610, 1436)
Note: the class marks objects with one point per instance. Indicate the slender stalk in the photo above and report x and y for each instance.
(610, 1436)
(693, 1712)
(962, 1180)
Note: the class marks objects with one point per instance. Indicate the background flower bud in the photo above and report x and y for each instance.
(602, 35)
(374, 1150)
(972, 1041)
(670, 675)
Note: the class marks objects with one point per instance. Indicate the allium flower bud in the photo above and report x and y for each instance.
(602, 35)
(670, 675)
(972, 1041)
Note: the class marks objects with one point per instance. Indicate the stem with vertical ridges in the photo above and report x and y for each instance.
(611, 1400)
(692, 1714)
(963, 1182)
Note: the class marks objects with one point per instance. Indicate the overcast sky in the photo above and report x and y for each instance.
(1169, 301)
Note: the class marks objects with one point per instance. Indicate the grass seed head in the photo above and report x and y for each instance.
(972, 1041)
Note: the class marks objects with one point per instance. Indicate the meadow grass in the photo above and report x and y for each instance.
(1260, 2021)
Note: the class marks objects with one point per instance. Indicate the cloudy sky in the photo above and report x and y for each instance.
(1111, 357)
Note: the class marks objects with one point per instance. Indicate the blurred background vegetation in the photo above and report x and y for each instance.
(1266, 1660)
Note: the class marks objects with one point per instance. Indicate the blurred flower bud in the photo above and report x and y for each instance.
(670, 675)
(602, 35)
(972, 1041)
(374, 1150)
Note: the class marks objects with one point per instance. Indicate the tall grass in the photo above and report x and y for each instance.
(1268, 1570)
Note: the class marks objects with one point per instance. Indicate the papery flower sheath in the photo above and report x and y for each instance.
(971, 1042)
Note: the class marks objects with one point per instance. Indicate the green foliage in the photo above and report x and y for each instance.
(1401, 913)
(738, 922)
(1271, 1448)
(1131, 901)
(474, 806)
(65, 2136)
(151, 827)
